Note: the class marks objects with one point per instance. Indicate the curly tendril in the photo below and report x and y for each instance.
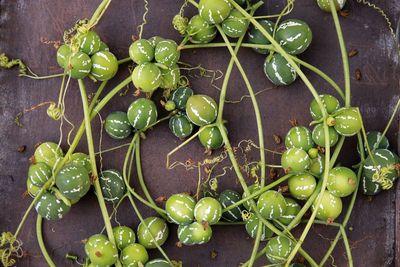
(10, 247)
(54, 112)
(180, 23)
(380, 177)
(7, 63)
(246, 215)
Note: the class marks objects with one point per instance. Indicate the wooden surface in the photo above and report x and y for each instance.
(25, 24)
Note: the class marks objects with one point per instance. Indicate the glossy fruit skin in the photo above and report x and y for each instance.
(92, 241)
(383, 158)
(294, 36)
(50, 207)
(33, 190)
(112, 185)
(89, 43)
(330, 102)
(142, 113)
(185, 235)
(146, 77)
(302, 186)
(78, 65)
(318, 135)
(211, 138)
(63, 53)
(201, 109)
(292, 209)
(295, 160)
(299, 137)
(235, 25)
(317, 166)
(170, 77)
(134, 255)
(117, 125)
(252, 188)
(256, 37)
(155, 40)
(102, 252)
(348, 121)
(227, 198)
(214, 11)
(271, 204)
(49, 153)
(73, 181)
(324, 5)
(158, 263)
(167, 52)
(180, 208)
(251, 227)
(124, 236)
(81, 159)
(330, 207)
(200, 31)
(180, 126)
(156, 228)
(180, 97)
(279, 71)
(342, 181)
(279, 248)
(104, 65)
(39, 173)
(199, 233)
(208, 210)
(141, 51)
(372, 140)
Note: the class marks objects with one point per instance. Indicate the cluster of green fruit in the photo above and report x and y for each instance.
(101, 252)
(87, 55)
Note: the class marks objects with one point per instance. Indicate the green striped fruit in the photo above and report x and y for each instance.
(235, 25)
(155, 40)
(104, 65)
(81, 159)
(299, 137)
(50, 207)
(279, 71)
(141, 51)
(317, 166)
(348, 121)
(214, 11)
(372, 140)
(158, 263)
(256, 37)
(91, 242)
(78, 65)
(271, 204)
(200, 31)
(180, 126)
(180, 208)
(342, 181)
(101, 251)
(63, 53)
(142, 113)
(167, 52)
(295, 160)
(112, 185)
(151, 231)
(279, 249)
(211, 138)
(318, 135)
(251, 227)
(227, 198)
(104, 47)
(49, 153)
(146, 77)
(199, 233)
(252, 189)
(124, 236)
(201, 109)
(134, 255)
(39, 173)
(294, 36)
(330, 103)
(170, 77)
(292, 209)
(185, 235)
(330, 207)
(33, 190)
(324, 5)
(73, 181)
(302, 186)
(180, 97)
(89, 43)
(117, 125)
(208, 210)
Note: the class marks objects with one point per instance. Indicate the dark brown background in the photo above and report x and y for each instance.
(375, 238)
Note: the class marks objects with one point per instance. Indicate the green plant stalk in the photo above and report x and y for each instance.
(42, 77)
(124, 60)
(98, 13)
(92, 156)
(42, 246)
(396, 109)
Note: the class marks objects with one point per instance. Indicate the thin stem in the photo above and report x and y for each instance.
(42, 246)
(124, 60)
(42, 77)
(396, 109)
(98, 13)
